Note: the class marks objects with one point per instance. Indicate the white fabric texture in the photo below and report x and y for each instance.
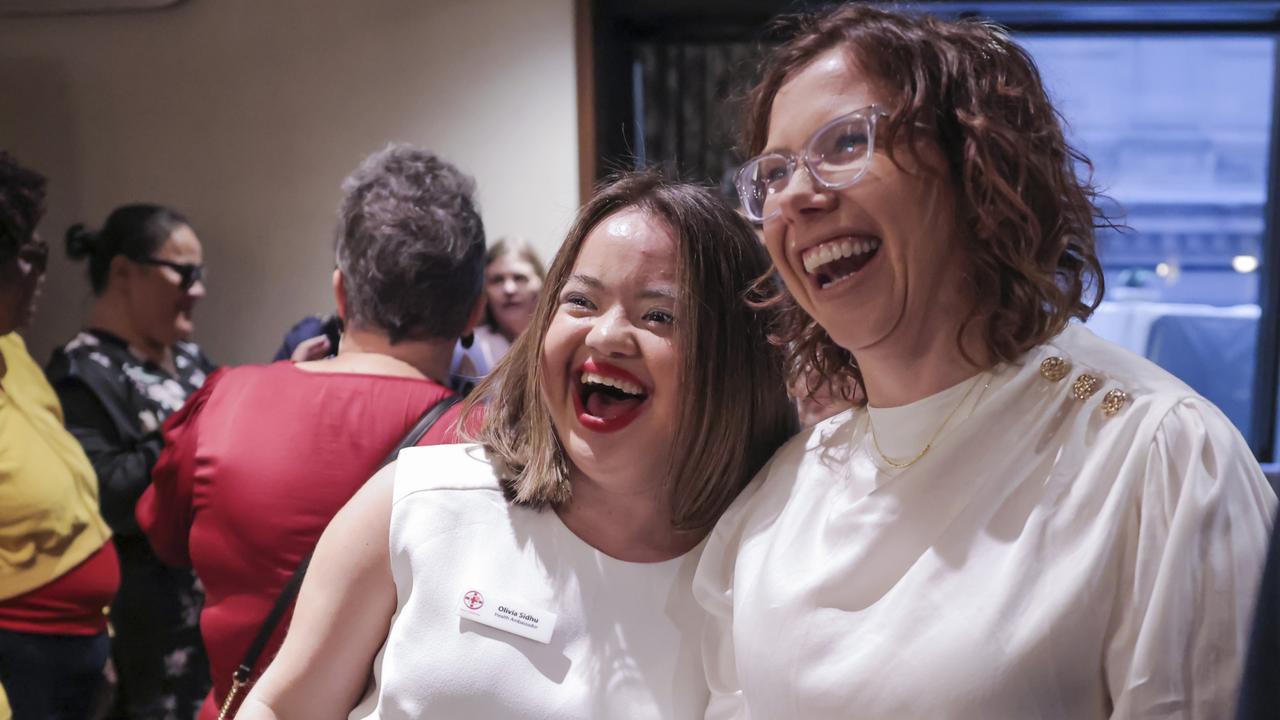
(1042, 560)
(625, 645)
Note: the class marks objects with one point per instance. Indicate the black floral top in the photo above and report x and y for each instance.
(115, 401)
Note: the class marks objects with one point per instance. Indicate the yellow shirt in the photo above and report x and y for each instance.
(49, 519)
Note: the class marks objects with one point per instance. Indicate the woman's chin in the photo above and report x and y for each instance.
(182, 330)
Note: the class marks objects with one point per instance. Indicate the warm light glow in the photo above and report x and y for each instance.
(1163, 270)
(1244, 263)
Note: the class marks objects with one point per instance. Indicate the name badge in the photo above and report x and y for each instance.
(514, 616)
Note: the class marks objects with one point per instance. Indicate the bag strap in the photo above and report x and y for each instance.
(240, 678)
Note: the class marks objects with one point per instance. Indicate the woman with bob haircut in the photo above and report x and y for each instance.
(1022, 520)
(546, 570)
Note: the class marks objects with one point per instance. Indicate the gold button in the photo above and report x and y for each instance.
(1054, 368)
(1084, 386)
(1113, 401)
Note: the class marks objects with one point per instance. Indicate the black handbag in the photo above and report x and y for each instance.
(240, 680)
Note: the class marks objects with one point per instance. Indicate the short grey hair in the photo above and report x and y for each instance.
(411, 245)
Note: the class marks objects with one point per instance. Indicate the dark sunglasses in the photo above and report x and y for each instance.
(189, 273)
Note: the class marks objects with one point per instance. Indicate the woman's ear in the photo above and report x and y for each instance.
(340, 294)
(120, 271)
(477, 315)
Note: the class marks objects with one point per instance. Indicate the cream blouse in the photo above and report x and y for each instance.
(1082, 541)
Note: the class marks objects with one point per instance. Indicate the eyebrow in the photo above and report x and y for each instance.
(587, 280)
(651, 293)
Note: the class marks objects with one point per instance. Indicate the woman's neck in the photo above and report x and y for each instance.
(109, 314)
(371, 351)
(630, 525)
(908, 368)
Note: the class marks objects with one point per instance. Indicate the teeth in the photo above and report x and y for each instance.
(835, 250)
(590, 378)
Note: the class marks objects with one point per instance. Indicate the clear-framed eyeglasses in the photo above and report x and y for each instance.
(837, 155)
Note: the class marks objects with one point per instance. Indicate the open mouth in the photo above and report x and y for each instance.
(839, 259)
(606, 397)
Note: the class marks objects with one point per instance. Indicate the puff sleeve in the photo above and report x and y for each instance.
(1198, 542)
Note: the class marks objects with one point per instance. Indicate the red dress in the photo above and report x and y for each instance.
(255, 465)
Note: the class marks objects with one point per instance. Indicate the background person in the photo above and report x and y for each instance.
(118, 379)
(1024, 520)
(260, 459)
(58, 567)
(513, 278)
(624, 420)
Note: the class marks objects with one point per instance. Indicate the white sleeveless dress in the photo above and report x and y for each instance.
(626, 637)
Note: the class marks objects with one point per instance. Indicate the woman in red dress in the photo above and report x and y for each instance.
(262, 457)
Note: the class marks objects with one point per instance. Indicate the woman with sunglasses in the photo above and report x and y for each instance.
(1022, 520)
(118, 380)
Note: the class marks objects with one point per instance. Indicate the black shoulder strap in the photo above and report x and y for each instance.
(290, 591)
(425, 423)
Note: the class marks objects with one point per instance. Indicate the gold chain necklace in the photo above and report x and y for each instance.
(927, 446)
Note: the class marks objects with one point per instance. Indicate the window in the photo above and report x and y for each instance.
(1179, 130)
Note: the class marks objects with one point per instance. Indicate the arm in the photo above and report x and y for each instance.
(342, 618)
(123, 468)
(164, 511)
(1203, 521)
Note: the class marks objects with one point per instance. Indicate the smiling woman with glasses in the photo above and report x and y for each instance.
(118, 379)
(1018, 519)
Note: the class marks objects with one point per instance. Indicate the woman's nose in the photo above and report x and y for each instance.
(610, 334)
(804, 194)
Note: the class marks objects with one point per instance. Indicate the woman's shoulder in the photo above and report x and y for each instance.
(85, 354)
(1084, 354)
(188, 356)
(1132, 412)
(443, 468)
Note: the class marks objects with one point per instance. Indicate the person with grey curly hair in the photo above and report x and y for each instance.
(258, 462)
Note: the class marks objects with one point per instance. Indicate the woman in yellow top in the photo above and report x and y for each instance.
(58, 567)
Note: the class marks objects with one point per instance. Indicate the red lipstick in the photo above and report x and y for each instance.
(617, 422)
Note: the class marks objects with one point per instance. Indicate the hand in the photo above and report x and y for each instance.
(315, 348)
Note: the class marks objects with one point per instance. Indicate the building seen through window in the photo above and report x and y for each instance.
(1178, 129)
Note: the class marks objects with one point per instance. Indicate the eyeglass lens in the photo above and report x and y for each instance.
(837, 156)
(188, 274)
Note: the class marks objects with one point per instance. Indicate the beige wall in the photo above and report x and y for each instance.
(246, 114)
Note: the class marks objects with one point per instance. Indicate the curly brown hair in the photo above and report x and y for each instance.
(1026, 218)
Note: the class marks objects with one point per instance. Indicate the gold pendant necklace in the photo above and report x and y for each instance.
(898, 464)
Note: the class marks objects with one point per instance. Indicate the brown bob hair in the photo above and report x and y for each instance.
(1026, 218)
(735, 411)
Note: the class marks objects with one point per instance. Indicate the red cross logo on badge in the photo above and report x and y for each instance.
(473, 600)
